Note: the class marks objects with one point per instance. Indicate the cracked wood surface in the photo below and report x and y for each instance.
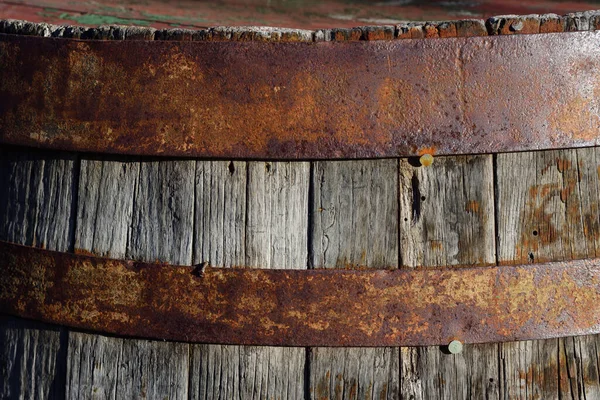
(354, 223)
(446, 218)
(250, 214)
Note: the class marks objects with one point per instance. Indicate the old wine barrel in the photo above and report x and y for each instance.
(447, 160)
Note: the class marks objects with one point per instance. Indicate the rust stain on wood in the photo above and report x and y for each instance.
(302, 308)
(472, 207)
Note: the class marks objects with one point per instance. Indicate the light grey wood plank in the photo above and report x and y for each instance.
(92, 366)
(104, 217)
(153, 370)
(163, 212)
(141, 210)
(355, 212)
(36, 204)
(354, 223)
(548, 206)
(105, 209)
(162, 230)
(447, 212)
(528, 369)
(220, 216)
(277, 224)
(253, 214)
(447, 218)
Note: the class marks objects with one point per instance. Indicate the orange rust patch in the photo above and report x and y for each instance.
(472, 206)
(84, 252)
(576, 119)
(436, 244)
(563, 164)
(427, 150)
(567, 191)
(551, 25)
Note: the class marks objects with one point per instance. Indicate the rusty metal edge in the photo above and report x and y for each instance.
(330, 100)
(318, 307)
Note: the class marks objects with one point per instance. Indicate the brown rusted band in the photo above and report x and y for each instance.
(302, 308)
(286, 100)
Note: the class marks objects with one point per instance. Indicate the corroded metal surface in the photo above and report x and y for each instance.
(302, 100)
(302, 308)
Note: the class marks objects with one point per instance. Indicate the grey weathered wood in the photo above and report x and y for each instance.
(548, 209)
(163, 212)
(253, 214)
(528, 370)
(162, 229)
(447, 212)
(578, 366)
(36, 198)
(143, 211)
(447, 218)
(92, 366)
(354, 216)
(104, 215)
(36, 203)
(105, 208)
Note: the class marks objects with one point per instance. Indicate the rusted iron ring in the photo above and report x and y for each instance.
(328, 100)
(301, 307)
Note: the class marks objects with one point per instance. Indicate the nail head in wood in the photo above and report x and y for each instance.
(455, 347)
(426, 160)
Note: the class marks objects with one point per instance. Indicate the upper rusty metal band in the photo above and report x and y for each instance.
(302, 307)
(322, 100)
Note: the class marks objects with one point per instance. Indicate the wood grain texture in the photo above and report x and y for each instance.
(144, 211)
(104, 215)
(447, 212)
(93, 366)
(354, 217)
(105, 209)
(447, 218)
(253, 214)
(163, 213)
(36, 209)
(548, 206)
(355, 214)
(528, 370)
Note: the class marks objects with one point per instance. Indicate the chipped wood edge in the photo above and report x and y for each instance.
(497, 25)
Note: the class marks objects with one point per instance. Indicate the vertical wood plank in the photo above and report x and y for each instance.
(163, 214)
(447, 218)
(528, 370)
(253, 214)
(144, 211)
(36, 204)
(107, 189)
(162, 230)
(354, 223)
(548, 210)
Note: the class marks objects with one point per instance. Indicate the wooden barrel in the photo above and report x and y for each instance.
(501, 208)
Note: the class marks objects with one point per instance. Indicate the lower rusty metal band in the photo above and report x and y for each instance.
(301, 308)
(322, 100)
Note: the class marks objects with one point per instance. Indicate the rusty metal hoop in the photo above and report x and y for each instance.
(302, 307)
